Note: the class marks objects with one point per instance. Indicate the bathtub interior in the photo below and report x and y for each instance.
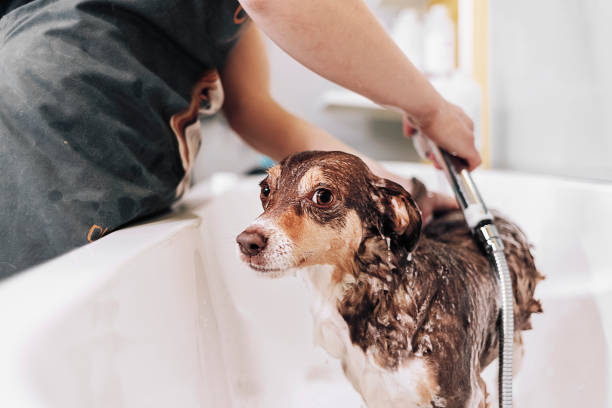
(164, 314)
(568, 349)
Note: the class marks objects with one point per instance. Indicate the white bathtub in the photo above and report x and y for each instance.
(162, 314)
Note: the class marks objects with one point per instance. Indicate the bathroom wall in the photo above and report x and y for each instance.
(551, 86)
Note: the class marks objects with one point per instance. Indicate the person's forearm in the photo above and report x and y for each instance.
(343, 41)
(277, 133)
(270, 129)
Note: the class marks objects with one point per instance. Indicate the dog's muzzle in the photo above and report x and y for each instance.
(251, 242)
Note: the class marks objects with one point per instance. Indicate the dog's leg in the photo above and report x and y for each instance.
(519, 352)
(485, 401)
(479, 395)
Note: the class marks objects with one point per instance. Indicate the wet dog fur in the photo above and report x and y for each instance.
(411, 314)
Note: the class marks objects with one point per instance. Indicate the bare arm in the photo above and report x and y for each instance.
(342, 41)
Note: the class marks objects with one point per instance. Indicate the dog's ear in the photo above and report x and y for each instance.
(400, 216)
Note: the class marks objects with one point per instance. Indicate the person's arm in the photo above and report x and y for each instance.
(342, 41)
(270, 129)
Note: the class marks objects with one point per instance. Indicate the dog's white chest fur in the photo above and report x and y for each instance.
(409, 386)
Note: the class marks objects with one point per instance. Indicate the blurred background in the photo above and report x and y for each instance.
(536, 77)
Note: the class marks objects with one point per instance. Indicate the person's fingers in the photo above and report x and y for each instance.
(462, 145)
(472, 156)
(474, 161)
(407, 127)
(434, 203)
(433, 159)
(443, 202)
(452, 130)
(425, 219)
(426, 211)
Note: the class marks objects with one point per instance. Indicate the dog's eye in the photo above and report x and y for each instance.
(265, 191)
(323, 197)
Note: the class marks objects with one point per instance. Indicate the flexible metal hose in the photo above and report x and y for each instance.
(495, 250)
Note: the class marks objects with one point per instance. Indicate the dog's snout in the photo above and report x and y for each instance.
(251, 242)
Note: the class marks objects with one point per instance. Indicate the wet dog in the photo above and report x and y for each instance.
(411, 314)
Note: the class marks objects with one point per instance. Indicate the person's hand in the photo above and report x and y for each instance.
(429, 202)
(450, 128)
(434, 203)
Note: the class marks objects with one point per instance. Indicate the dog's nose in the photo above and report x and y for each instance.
(251, 242)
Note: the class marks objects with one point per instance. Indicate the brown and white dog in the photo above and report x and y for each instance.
(411, 315)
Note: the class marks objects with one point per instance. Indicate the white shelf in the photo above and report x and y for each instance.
(343, 99)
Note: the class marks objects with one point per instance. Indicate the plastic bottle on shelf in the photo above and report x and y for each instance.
(407, 32)
(439, 44)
